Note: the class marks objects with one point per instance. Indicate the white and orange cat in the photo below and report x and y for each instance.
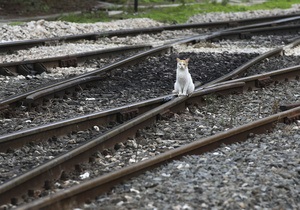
(184, 83)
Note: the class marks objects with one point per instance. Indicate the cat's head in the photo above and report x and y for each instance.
(182, 64)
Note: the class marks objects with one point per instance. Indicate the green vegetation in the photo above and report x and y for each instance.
(181, 13)
(87, 17)
(17, 23)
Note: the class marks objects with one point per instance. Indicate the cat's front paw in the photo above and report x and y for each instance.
(182, 94)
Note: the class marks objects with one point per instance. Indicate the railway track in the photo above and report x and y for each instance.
(32, 95)
(129, 111)
(35, 115)
(10, 46)
(139, 115)
(37, 66)
(82, 193)
(113, 137)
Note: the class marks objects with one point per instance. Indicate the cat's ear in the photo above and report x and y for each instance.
(187, 60)
(177, 59)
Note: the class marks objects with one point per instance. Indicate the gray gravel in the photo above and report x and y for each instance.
(223, 16)
(46, 29)
(152, 78)
(63, 49)
(261, 173)
(234, 176)
(217, 115)
(255, 44)
(108, 93)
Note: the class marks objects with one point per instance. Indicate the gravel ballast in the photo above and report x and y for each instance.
(262, 173)
(149, 79)
(222, 16)
(217, 114)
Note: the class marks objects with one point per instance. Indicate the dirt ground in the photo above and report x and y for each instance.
(32, 8)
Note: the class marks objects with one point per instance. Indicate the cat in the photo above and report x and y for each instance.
(184, 83)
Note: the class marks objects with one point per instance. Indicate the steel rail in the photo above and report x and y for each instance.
(255, 31)
(127, 112)
(135, 58)
(41, 65)
(64, 86)
(241, 69)
(114, 134)
(128, 129)
(120, 114)
(264, 24)
(255, 28)
(76, 195)
(285, 107)
(52, 169)
(265, 79)
(13, 99)
(10, 46)
(6, 102)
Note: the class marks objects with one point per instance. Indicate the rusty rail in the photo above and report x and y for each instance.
(77, 195)
(285, 107)
(41, 65)
(247, 33)
(89, 189)
(38, 66)
(120, 114)
(135, 58)
(122, 132)
(52, 169)
(127, 112)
